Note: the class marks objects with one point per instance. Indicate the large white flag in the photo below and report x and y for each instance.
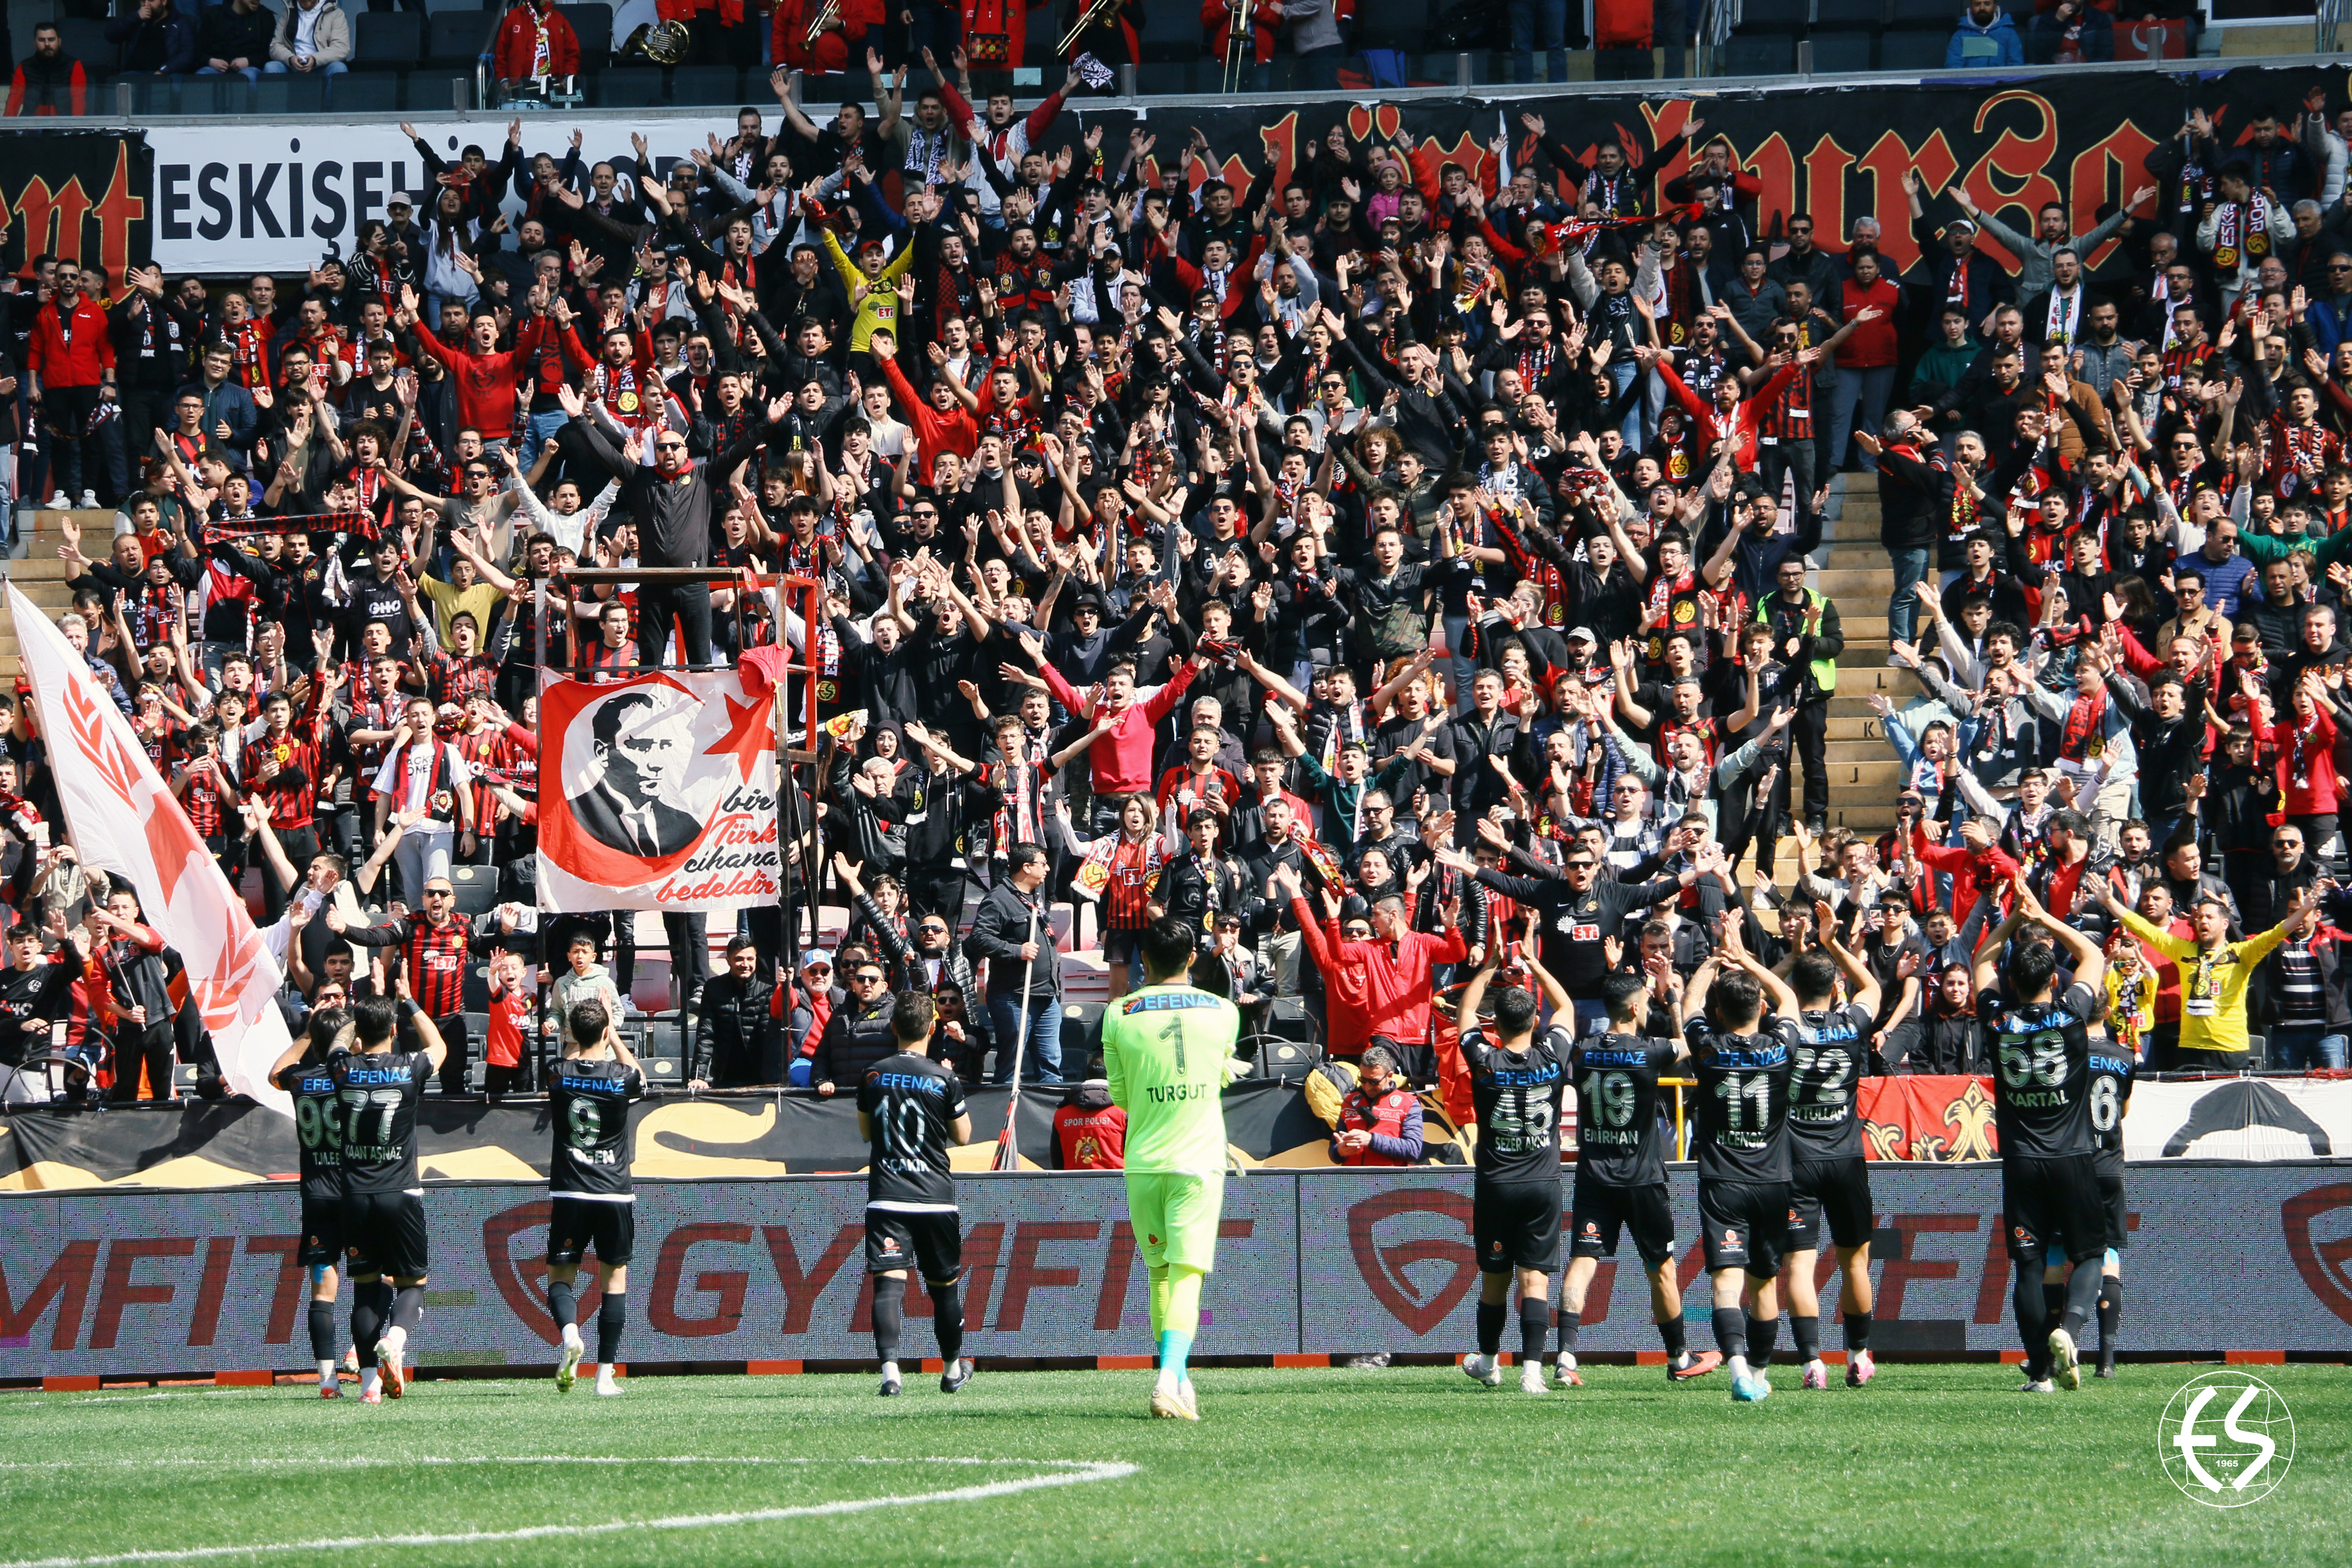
(124, 821)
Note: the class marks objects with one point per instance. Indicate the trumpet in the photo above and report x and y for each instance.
(1241, 37)
(827, 15)
(1097, 12)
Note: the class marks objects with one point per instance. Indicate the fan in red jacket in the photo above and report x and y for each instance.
(535, 41)
(1377, 988)
(69, 355)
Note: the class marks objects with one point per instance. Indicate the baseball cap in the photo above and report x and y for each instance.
(821, 959)
(399, 199)
(1581, 634)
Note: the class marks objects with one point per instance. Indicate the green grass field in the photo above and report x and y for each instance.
(1929, 1465)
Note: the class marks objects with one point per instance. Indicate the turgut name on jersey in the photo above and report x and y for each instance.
(920, 1083)
(2039, 1100)
(1177, 1093)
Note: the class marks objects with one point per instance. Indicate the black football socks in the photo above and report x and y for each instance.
(612, 1317)
(367, 1322)
(1857, 1332)
(408, 1309)
(1570, 1323)
(1730, 1331)
(1807, 1333)
(2111, 1312)
(323, 1347)
(1535, 1326)
(563, 1303)
(1763, 1334)
(2082, 1295)
(2032, 1322)
(890, 1316)
(1677, 1335)
(1490, 1328)
(946, 1319)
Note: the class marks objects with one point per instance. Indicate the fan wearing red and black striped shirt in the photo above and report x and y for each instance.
(434, 947)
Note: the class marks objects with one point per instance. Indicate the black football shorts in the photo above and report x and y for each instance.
(1516, 1225)
(932, 1241)
(1743, 1225)
(1598, 1211)
(576, 1226)
(1838, 1190)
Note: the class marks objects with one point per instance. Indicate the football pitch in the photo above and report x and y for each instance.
(1409, 1465)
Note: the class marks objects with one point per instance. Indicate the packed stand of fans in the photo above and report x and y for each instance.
(1376, 570)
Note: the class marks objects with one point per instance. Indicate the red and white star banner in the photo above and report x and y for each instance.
(124, 822)
(657, 793)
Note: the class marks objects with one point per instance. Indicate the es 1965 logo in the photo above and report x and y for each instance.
(2226, 1439)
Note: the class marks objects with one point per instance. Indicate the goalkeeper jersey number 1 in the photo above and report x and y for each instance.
(1168, 1053)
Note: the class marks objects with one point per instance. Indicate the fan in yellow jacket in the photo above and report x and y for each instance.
(872, 282)
(2214, 974)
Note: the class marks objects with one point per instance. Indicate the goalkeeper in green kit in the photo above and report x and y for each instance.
(1168, 1054)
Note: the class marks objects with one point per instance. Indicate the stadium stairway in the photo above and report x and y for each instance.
(35, 568)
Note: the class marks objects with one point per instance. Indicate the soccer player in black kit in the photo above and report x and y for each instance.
(383, 1209)
(591, 1201)
(1742, 1059)
(302, 1073)
(2040, 1040)
(1828, 1177)
(1517, 1086)
(1620, 1172)
(2111, 1087)
(911, 1110)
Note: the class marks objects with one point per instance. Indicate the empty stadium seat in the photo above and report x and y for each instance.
(1835, 14)
(708, 85)
(1785, 17)
(634, 88)
(370, 92)
(1834, 52)
(84, 41)
(1760, 54)
(477, 887)
(290, 93)
(387, 41)
(456, 38)
(1911, 51)
(1929, 16)
(1619, 65)
(592, 25)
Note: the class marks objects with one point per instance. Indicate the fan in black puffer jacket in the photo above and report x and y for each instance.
(857, 1035)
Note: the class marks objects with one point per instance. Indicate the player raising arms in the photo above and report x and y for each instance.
(592, 1202)
(302, 1073)
(2041, 1042)
(909, 1110)
(1516, 1087)
(1620, 1172)
(1168, 1054)
(1742, 1059)
(382, 1208)
(1828, 1177)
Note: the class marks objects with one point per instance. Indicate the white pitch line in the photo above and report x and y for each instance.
(363, 1462)
(1067, 1473)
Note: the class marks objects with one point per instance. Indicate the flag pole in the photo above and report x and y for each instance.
(1008, 1152)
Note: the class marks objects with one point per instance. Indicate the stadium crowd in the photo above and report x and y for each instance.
(1379, 569)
